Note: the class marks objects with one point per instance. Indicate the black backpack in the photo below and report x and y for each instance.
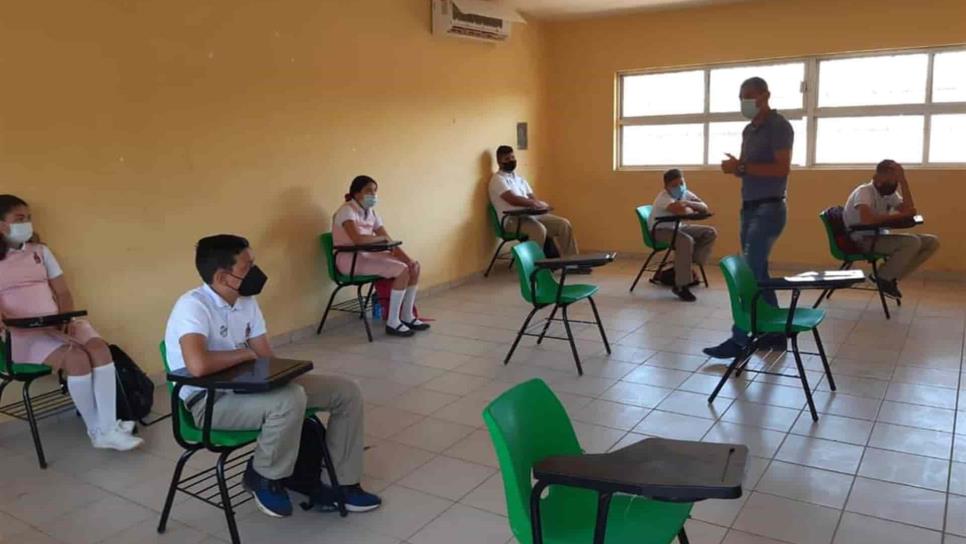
(666, 277)
(306, 479)
(135, 391)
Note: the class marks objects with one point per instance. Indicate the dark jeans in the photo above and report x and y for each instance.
(760, 227)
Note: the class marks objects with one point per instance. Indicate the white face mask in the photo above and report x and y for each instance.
(749, 108)
(20, 233)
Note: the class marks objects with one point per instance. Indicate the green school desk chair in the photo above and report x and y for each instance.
(503, 236)
(360, 304)
(647, 233)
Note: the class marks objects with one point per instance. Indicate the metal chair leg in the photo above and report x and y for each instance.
(882, 298)
(330, 467)
(173, 489)
(570, 338)
(705, 278)
(493, 260)
(683, 537)
(734, 367)
(827, 293)
(328, 307)
(821, 353)
(643, 268)
(226, 498)
(523, 329)
(32, 420)
(600, 325)
(804, 378)
(547, 325)
(362, 312)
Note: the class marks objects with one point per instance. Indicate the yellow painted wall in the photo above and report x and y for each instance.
(586, 55)
(134, 128)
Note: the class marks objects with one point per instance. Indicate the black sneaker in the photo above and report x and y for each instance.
(729, 349)
(684, 294)
(889, 287)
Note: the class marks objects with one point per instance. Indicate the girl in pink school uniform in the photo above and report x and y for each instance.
(32, 284)
(356, 223)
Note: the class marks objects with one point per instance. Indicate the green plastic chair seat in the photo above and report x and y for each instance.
(742, 287)
(328, 249)
(632, 520)
(356, 280)
(528, 423)
(776, 319)
(30, 370)
(570, 294)
(498, 227)
(644, 218)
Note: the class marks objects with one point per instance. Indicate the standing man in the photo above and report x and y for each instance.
(766, 158)
(509, 191)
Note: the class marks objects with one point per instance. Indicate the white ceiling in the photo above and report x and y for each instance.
(562, 9)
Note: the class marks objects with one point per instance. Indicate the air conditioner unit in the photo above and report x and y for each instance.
(473, 19)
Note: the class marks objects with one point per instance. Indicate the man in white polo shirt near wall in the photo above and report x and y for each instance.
(509, 191)
(888, 196)
(219, 325)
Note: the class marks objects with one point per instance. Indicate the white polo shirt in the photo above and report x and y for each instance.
(662, 201)
(203, 311)
(866, 194)
(502, 182)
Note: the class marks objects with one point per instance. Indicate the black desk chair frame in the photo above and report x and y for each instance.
(226, 492)
(873, 260)
(558, 304)
(671, 247)
(740, 363)
(358, 305)
(32, 408)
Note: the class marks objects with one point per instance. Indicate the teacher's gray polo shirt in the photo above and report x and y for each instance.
(758, 145)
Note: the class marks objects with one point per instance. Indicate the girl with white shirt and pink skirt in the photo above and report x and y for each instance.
(356, 223)
(32, 284)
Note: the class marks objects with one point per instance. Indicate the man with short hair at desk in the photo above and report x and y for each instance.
(693, 242)
(219, 325)
(509, 191)
(888, 197)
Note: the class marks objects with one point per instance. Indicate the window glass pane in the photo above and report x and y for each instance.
(949, 77)
(726, 138)
(670, 145)
(947, 137)
(872, 81)
(664, 94)
(869, 139)
(784, 82)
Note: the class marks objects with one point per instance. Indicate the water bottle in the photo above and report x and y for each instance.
(376, 310)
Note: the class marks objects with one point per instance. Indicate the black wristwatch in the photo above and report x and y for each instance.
(741, 169)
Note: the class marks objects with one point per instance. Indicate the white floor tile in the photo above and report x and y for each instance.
(910, 505)
(760, 442)
(904, 468)
(611, 414)
(838, 428)
(447, 477)
(676, 426)
(858, 529)
(910, 440)
(820, 453)
(433, 434)
(787, 520)
(465, 525)
(806, 484)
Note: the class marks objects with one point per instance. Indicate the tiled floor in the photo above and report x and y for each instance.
(883, 465)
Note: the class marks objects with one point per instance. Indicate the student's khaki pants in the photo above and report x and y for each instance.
(539, 227)
(692, 246)
(906, 253)
(279, 414)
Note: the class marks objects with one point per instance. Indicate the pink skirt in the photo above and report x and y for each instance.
(36, 345)
(371, 264)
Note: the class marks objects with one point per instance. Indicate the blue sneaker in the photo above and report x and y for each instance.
(270, 496)
(359, 500)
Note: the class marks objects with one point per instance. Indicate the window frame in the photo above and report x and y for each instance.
(810, 111)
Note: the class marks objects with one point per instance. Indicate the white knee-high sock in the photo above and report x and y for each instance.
(81, 390)
(409, 299)
(105, 394)
(395, 303)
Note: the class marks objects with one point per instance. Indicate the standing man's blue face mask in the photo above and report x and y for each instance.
(749, 108)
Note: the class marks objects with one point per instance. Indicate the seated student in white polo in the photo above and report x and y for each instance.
(509, 191)
(694, 242)
(219, 325)
(888, 196)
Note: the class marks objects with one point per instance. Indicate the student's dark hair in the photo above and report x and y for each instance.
(7, 204)
(885, 166)
(503, 151)
(672, 175)
(358, 184)
(218, 252)
(756, 83)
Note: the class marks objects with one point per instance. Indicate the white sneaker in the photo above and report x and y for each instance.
(126, 426)
(115, 439)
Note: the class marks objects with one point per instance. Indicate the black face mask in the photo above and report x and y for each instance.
(886, 190)
(509, 166)
(252, 283)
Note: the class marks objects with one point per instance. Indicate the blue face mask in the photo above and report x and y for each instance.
(679, 191)
(749, 108)
(369, 201)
